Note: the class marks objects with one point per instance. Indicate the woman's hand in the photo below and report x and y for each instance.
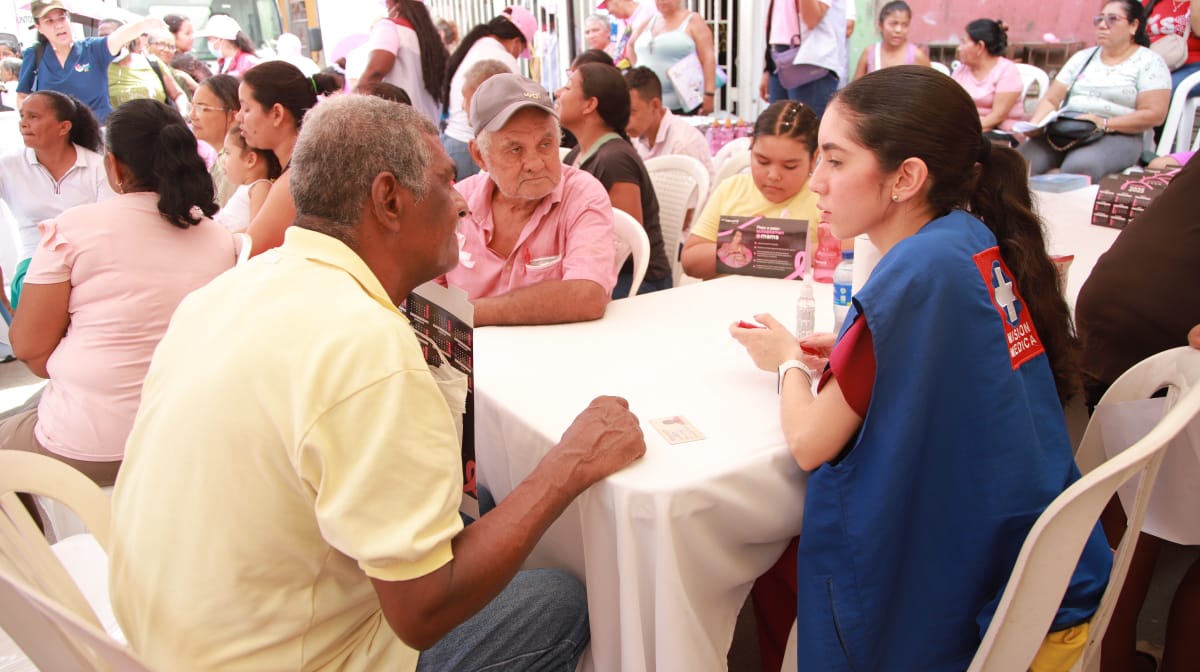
(816, 349)
(764, 87)
(770, 345)
(1096, 119)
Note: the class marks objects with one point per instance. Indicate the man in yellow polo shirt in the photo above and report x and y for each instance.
(289, 495)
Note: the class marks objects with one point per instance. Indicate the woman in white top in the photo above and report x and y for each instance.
(1119, 85)
(407, 51)
(59, 168)
(503, 39)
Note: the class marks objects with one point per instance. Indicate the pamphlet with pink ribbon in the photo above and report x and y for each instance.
(766, 247)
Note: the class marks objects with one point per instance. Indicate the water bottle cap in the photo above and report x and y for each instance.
(847, 254)
(806, 290)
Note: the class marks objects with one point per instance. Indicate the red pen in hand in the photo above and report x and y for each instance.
(747, 325)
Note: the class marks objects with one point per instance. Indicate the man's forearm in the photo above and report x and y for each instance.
(487, 554)
(550, 302)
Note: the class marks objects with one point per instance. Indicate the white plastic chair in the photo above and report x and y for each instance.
(1051, 551)
(55, 638)
(1052, 548)
(735, 146)
(1031, 74)
(630, 238)
(676, 180)
(1177, 129)
(738, 162)
(72, 574)
(242, 244)
(940, 67)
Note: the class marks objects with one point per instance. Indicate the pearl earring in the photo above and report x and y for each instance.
(895, 198)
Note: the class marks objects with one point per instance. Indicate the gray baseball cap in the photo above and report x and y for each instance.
(500, 96)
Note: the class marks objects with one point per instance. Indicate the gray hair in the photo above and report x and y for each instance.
(599, 18)
(480, 72)
(336, 159)
(12, 66)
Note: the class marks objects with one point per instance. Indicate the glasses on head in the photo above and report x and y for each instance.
(201, 107)
(1107, 19)
(163, 45)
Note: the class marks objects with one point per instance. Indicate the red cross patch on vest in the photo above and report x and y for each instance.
(1019, 332)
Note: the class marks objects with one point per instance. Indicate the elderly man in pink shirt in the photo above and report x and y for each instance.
(537, 244)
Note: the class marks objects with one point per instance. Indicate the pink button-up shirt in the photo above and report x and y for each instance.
(568, 237)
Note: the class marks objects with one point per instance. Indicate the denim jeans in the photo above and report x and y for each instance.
(625, 281)
(463, 163)
(539, 622)
(815, 94)
(1181, 74)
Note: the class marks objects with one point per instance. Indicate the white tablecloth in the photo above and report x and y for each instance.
(1069, 230)
(670, 546)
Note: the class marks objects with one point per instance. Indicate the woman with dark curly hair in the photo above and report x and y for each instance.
(103, 284)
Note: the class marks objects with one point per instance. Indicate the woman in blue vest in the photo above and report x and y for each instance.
(58, 62)
(937, 436)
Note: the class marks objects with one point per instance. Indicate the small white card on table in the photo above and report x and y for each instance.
(676, 429)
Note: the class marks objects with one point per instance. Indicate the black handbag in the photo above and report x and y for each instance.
(1068, 131)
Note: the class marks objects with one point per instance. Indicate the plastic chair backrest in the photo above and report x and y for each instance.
(631, 238)
(1029, 75)
(24, 551)
(675, 180)
(737, 163)
(1051, 550)
(54, 637)
(735, 146)
(940, 67)
(242, 245)
(1177, 129)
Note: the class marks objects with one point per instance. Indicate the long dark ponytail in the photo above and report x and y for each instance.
(892, 111)
(159, 149)
(608, 87)
(433, 51)
(500, 27)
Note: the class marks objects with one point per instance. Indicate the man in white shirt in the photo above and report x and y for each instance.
(654, 130)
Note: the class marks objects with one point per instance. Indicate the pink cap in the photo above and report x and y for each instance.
(525, 22)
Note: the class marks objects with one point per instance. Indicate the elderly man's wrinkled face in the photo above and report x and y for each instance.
(522, 157)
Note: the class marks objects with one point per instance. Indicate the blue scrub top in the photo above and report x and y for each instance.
(84, 75)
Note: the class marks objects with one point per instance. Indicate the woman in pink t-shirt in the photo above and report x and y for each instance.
(103, 284)
(992, 81)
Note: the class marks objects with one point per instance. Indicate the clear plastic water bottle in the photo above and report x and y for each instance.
(843, 279)
(806, 311)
